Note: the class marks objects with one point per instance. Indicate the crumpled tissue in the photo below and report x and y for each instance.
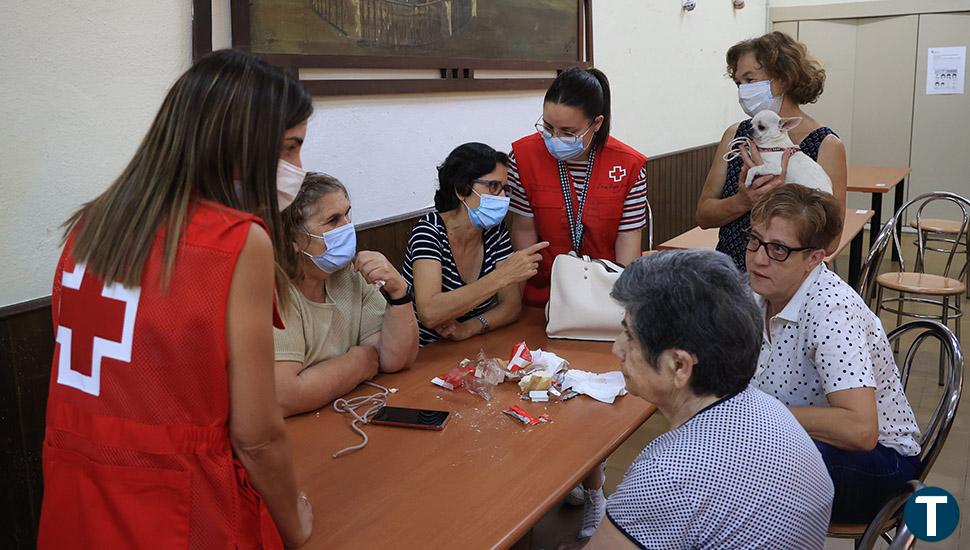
(603, 387)
(548, 361)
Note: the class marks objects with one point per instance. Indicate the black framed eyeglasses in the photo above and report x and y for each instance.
(775, 251)
(494, 186)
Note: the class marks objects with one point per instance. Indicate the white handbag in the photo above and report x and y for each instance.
(580, 306)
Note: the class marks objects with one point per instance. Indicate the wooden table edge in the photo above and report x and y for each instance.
(895, 179)
(531, 520)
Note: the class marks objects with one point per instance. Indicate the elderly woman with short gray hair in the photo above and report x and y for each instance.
(736, 470)
(349, 315)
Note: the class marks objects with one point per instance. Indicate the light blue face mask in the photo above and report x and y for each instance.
(755, 97)
(564, 148)
(341, 248)
(490, 212)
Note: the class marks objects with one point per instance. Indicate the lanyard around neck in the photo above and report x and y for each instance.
(565, 180)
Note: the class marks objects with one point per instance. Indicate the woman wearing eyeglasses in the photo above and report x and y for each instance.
(824, 353)
(574, 185)
(459, 260)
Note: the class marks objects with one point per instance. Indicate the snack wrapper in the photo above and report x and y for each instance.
(518, 413)
(479, 377)
(486, 376)
(521, 358)
(455, 378)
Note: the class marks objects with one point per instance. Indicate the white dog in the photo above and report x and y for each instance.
(770, 135)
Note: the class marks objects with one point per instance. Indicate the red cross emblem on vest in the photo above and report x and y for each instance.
(617, 173)
(95, 322)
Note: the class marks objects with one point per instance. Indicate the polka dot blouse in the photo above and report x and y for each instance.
(740, 474)
(826, 340)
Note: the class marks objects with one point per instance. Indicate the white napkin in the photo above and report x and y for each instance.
(548, 361)
(601, 387)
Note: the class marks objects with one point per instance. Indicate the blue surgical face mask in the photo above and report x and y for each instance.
(341, 248)
(490, 212)
(562, 150)
(755, 97)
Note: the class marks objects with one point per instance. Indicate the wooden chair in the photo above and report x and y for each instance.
(934, 433)
(916, 286)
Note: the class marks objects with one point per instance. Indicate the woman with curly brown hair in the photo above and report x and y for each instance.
(772, 72)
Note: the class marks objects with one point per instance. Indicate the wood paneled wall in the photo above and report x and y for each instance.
(27, 341)
(674, 183)
(26, 348)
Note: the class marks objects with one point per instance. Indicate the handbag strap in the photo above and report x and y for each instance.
(610, 266)
(566, 182)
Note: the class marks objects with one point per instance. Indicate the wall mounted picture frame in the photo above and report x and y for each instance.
(428, 45)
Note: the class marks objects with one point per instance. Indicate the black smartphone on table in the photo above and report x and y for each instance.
(423, 419)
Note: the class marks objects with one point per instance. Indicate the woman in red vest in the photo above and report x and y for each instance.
(578, 188)
(163, 429)
(574, 185)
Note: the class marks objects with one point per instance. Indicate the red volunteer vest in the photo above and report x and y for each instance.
(615, 170)
(137, 451)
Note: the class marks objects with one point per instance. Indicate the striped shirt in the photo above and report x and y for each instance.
(741, 473)
(429, 241)
(634, 207)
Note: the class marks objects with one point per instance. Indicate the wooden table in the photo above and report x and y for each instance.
(878, 180)
(484, 480)
(855, 220)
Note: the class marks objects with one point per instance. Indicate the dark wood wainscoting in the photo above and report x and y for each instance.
(674, 183)
(27, 341)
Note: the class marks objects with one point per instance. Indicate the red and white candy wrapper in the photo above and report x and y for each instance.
(456, 376)
(519, 414)
(521, 357)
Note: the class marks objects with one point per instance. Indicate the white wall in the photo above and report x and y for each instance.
(786, 3)
(82, 81)
(79, 85)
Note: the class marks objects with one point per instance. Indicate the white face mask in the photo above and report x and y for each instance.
(755, 97)
(289, 179)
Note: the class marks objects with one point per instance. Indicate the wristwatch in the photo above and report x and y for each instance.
(484, 322)
(406, 299)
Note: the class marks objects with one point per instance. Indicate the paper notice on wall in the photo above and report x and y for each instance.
(945, 70)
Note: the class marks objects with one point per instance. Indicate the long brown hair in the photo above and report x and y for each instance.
(224, 118)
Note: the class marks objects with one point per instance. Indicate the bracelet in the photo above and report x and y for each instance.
(484, 322)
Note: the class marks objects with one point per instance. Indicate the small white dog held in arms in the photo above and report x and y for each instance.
(770, 135)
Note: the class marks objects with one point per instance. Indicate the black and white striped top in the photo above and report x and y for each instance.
(429, 241)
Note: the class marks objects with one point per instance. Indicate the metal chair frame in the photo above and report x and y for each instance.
(934, 434)
(870, 271)
(904, 538)
(960, 246)
(649, 225)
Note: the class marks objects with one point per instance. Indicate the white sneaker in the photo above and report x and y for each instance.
(575, 496)
(594, 508)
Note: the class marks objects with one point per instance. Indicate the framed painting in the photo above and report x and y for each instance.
(429, 45)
